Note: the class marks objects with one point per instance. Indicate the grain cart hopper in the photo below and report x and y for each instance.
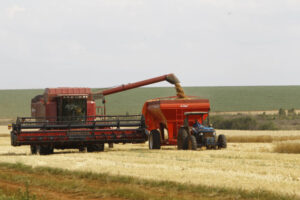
(65, 118)
(181, 122)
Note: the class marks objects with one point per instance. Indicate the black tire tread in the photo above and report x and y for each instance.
(156, 139)
(192, 139)
(182, 135)
(222, 143)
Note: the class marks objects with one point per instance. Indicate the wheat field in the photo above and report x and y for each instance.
(249, 166)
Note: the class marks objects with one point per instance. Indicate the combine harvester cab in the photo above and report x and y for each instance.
(65, 118)
(181, 122)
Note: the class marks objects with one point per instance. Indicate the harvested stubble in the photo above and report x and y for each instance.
(240, 166)
(287, 147)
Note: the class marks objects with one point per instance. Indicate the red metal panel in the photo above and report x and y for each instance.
(66, 90)
(38, 109)
(51, 111)
(91, 108)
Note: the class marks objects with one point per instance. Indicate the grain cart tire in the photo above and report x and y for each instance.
(190, 143)
(222, 141)
(33, 149)
(182, 135)
(154, 139)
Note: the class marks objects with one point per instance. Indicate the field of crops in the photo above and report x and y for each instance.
(17, 102)
(249, 166)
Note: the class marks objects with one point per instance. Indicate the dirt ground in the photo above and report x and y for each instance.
(247, 166)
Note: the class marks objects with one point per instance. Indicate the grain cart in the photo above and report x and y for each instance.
(180, 121)
(63, 118)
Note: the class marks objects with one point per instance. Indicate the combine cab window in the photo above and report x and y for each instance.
(71, 108)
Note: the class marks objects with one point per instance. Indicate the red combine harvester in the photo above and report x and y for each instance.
(64, 118)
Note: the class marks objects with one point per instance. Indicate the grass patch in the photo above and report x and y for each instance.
(287, 147)
(124, 186)
(18, 195)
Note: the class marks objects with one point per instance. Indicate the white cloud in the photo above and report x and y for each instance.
(14, 10)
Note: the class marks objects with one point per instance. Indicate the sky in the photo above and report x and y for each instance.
(104, 43)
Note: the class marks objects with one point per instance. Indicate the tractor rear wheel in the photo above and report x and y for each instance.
(182, 135)
(222, 143)
(154, 140)
(190, 143)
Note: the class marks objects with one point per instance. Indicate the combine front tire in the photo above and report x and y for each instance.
(95, 147)
(44, 149)
(181, 137)
(190, 143)
(154, 140)
(33, 149)
(222, 141)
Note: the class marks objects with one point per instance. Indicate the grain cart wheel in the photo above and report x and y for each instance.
(154, 139)
(222, 141)
(182, 135)
(33, 149)
(190, 143)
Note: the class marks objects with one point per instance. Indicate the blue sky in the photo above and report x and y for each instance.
(103, 43)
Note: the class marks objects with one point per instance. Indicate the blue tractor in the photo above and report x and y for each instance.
(199, 134)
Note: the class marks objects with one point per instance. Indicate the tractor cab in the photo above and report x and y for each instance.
(199, 134)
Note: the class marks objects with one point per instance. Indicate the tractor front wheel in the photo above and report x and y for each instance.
(181, 137)
(222, 141)
(190, 143)
(154, 140)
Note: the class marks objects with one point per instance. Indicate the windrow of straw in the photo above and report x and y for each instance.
(260, 138)
(287, 147)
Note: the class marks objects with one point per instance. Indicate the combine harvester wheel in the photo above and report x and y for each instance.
(95, 147)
